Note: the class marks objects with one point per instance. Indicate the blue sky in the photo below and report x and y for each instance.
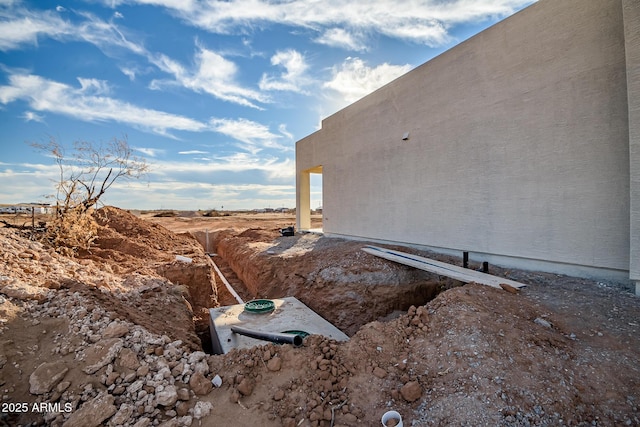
(213, 94)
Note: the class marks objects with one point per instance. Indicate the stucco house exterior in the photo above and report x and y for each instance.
(520, 145)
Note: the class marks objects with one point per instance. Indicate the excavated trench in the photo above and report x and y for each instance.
(333, 277)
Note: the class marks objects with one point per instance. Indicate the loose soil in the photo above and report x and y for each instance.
(563, 351)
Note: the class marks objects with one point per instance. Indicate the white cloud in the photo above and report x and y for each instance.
(275, 169)
(283, 130)
(420, 21)
(46, 95)
(193, 152)
(339, 37)
(25, 27)
(254, 136)
(353, 79)
(293, 78)
(129, 73)
(212, 74)
(21, 26)
(118, 15)
(151, 152)
(94, 86)
(30, 116)
(85, 103)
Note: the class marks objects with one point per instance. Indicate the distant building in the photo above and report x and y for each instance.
(520, 145)
(26, 208)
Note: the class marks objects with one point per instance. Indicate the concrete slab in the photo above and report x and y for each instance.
(289, 314)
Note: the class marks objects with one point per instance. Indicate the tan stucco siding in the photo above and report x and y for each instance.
(632, 49)
(518, 146)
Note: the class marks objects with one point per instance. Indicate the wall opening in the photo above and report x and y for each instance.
(311, 199)
(316, 200)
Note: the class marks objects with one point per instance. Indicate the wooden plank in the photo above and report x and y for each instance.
(442, 268)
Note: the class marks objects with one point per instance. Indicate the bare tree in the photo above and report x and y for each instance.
(85, 175)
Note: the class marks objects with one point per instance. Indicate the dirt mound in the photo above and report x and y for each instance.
(110, 338)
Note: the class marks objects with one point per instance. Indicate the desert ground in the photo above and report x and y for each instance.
(117, 335)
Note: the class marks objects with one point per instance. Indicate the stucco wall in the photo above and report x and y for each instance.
(518, 146)
(632, 49)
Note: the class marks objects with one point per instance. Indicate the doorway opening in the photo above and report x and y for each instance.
(311, 200)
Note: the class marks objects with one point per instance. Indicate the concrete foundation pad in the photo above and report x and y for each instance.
(289, 314)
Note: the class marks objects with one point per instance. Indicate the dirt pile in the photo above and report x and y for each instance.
(109, 338)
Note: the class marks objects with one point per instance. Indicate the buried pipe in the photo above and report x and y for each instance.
(294, 339)
(226, 283)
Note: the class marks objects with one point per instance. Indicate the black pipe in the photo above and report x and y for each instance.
(276, 337)
(485, 267)
(465, 259)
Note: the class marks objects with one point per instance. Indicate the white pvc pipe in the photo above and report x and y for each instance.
(226, 283)
(392, 415)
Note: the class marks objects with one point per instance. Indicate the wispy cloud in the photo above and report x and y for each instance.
(46, 95)
(150, 152)
(339, 37)
(212, 74)
(254, 136)
(19, 26)
(354, 79)
(294, 76)
(420, 21)
(192, 152)
(237, 162)
(30, 116)
(94, 86)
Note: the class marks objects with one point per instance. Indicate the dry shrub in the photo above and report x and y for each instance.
(76, 229)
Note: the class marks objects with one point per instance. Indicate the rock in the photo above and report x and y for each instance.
(201, 410)
(196, 356)
(63, 386)
(167, 397)
(135, 387)
(185, 421)
(143, 422)
(350, 418)
(123, 415)
(411, 391)
(423, 313)
(46, 376)
(182, 408)
(111, 378)
(200, 384)
(101, 354)
(245, 387)
(24, 291)
(116, 330)
(93, 412)
(379, 372)
(128, 359)
(142, 370)
(177, 370)
(542, 322)
(201, 367)
(274, 364)
(278, 395)
(183, 394)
